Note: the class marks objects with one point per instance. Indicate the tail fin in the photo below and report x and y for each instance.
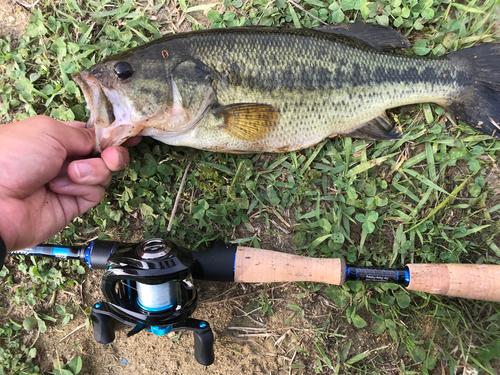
(478, 104)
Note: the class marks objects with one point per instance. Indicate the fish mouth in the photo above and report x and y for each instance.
(115, 120)
(109, 113)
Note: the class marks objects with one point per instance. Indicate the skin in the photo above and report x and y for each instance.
(44, 180)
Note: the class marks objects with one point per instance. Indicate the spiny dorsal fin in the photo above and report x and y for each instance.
(382, 38)
(378, 129)
(248, 121)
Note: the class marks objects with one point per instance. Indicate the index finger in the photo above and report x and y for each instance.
(76, 141)
(75, 124)
(132, 141)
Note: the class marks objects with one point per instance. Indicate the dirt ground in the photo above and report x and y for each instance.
(244, 344)
(14, 19)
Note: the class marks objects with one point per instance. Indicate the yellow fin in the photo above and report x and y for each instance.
(248, 121)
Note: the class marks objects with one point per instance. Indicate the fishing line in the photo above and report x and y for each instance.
(156, 297)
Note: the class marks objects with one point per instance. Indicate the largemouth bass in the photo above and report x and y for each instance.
(264, 89)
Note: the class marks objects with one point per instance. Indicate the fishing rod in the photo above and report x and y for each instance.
(149, 285)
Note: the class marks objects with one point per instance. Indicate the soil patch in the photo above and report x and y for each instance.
(14, 19)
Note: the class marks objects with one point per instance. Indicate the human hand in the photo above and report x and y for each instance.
(44, 183)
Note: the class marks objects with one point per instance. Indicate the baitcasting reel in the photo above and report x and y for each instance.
(148, 286)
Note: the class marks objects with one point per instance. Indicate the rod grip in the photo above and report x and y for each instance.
(475, 281)
(100, 253)
(259, 266)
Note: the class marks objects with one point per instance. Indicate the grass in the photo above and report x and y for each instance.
(420, 200)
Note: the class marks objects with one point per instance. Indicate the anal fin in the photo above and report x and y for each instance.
(248, 121)
(378, 129)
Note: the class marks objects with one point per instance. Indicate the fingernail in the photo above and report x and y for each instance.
(83, 169)
(120, 160)
(59, 182)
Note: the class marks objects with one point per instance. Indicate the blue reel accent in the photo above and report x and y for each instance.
(155, 308)
(129, 290)
(160, 331)
(407, 277)
(203, 324)
(97, 305)
(88, 250)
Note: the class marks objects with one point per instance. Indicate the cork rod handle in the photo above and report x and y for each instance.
(259, 266)
(476, 281)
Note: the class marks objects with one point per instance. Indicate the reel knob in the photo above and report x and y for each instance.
(153, 249)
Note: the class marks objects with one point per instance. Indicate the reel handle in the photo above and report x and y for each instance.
(203, 339)
(204, 347)
(104, 331)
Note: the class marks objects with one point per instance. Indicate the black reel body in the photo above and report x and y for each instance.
(149, 286)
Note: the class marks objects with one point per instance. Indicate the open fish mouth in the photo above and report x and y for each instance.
(114, 118)
(109, 113)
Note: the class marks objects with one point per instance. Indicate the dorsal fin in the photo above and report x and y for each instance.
(382, 38)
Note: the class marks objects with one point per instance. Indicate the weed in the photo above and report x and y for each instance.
(73, 367)
(15, 357)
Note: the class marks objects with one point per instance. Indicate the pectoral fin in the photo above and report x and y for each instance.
(378, 129)
(248, 121)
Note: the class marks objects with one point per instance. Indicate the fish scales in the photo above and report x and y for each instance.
(258, 89)
(321, 86)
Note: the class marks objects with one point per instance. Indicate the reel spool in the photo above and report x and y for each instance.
(149, 286)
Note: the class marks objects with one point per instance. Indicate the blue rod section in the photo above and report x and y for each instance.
(54, 251)
(383, 275)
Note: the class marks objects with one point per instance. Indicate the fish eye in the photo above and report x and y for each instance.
(123, 70)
